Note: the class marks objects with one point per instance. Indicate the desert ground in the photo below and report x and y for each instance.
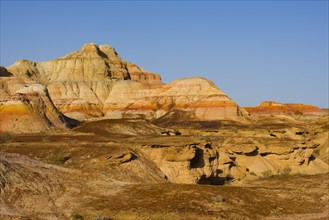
(107, 169)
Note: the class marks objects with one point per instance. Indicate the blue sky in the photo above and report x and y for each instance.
(252, 50)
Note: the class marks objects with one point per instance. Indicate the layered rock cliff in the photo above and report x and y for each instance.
(80, 82)
(276, 108)
(95, 82)
(198, 96)
(25, 107)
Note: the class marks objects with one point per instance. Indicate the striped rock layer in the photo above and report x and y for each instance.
(25, 107)
(96, 82)
(276, 108)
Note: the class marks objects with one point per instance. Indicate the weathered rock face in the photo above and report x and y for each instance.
(230, 153)
(270, 150)
(90, 63)
(187, 164)
(26, 107)
(80, 82)
(193, 95)
(94, 81)
(246, 159)
(276, 108)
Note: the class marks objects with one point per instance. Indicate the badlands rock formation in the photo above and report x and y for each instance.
(25, 107)
(271, 151)
(195, 134)
(81, 81)
(231, 153)
(188, 163)
(192, 95)
(95, 81)
(276, 108)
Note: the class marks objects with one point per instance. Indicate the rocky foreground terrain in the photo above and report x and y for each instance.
(92, 136)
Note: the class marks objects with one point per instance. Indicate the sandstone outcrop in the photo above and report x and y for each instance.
(276, 108)
(81, 81)
(232, 153)
(26, 107)
(188, 164)
(89, 64)
(154, 157)
(95, 82)
(268, 151)
(198, 96)
(279, 158)
(32, 189)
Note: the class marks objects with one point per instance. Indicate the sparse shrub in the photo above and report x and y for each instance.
(218, 198)
(102, 218)
(267, 174)
(59, 159)
(297, 174)
(44, 136)
(277, 211)
(286, 172)
(76, 216)
(8, 137)
(253, 174)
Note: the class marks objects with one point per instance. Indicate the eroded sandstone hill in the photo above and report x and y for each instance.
(80, 82)
(276, 108)
(25, 106)
(95, 82)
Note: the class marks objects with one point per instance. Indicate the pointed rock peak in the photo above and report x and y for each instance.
(90, 47)
(106, 47)
(89, 50)
(108, 50)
